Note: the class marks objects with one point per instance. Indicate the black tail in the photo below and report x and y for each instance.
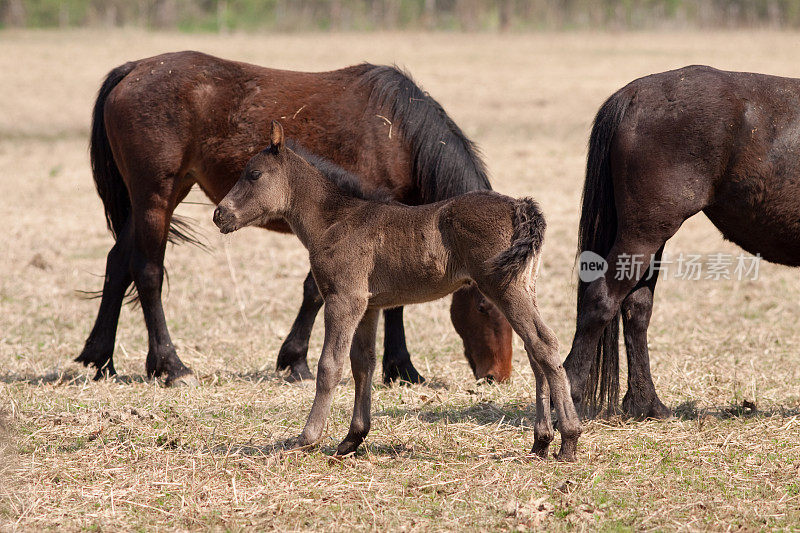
(526, 240)
(445, 163)
(597, 233)
(107, 178)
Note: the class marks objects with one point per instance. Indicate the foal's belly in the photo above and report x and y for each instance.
(397, 294)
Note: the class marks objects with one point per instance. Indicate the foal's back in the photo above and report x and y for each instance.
(413, 254)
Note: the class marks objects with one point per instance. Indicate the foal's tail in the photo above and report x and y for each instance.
(107, 178)
(597, 232)
(526, 240)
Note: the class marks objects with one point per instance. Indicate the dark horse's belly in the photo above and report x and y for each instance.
(762, 215)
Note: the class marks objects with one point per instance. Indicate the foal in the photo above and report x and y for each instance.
(369, 255)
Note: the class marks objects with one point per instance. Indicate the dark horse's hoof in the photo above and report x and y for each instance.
(100, 359)
(403, 372)
(642, 408)
(298, 372)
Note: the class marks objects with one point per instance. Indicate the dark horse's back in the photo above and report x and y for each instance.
(663, 148)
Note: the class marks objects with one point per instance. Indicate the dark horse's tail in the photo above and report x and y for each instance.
(597, 232)
(107, 178)
(445, 163)
(526, 240)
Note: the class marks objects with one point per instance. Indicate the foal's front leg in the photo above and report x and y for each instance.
(342, 316)
(362, 361)
(543, 427)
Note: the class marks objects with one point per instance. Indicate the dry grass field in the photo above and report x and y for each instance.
(450, 455)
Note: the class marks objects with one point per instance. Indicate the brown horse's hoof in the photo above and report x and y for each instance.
(186, 380)
(299, 372)
(643, 408)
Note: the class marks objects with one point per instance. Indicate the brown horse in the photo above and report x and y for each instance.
(367, 256)
(163, 124)
(662, 149)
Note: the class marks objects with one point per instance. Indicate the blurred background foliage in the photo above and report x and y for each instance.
(365, 15)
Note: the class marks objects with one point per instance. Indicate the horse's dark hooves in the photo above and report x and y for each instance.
(644, 408)
(299, 372)
(106, 372)
(347, 447)
(184, 380)
(404, 373)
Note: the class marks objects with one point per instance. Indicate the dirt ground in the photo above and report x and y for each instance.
(131, 454)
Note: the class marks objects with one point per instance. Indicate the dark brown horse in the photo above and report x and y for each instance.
(164, 124)
(367, 256)
(662, 149)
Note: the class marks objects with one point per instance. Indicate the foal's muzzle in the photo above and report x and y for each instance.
(225, 219)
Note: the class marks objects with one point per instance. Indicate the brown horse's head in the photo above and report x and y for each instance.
(262, 193)
(486, 334)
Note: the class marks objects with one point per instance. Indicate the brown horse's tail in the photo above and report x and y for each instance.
(526, 240)
(107, 178)
(597, 232)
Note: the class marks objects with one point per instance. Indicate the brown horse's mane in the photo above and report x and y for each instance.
(445, 162)
(346, 181)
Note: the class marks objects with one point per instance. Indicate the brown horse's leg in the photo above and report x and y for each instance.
(362, 361)
(518, 305)
(397, 364)
(151, 221)
(99, 348)
(342, 316)
(294, 350)
(641, 400)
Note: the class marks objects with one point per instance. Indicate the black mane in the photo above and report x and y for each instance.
(346, 181)
(445, 163)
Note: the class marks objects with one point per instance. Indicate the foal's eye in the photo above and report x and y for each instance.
(255, 174)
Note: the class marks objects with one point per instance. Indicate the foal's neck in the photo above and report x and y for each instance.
(315, 203)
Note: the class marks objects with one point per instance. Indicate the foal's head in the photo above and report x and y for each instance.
(262, 193)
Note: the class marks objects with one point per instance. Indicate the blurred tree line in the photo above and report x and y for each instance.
(466, 15)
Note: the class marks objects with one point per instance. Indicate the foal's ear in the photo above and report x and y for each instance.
(276, 136)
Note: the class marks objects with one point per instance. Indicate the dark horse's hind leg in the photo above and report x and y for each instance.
(396, 359)
(294, 351)
(151, 221)
(99, 348)
(641, 400)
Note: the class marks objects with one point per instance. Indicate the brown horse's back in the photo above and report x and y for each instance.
(212, 115)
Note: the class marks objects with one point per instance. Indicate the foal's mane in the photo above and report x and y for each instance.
(445, 163)
(347, 182)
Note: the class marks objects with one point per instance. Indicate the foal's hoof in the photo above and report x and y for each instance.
(642, 408)
(347, 446)
(541, 448)
(402, 372)
(569, 451)
(186, 380)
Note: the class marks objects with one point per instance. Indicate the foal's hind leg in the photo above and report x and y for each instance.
(543, 427)
(641, 400)
(342, 316)
(397, 364)
(99, 348)
(518, 304)
(362, 361)
(294, 350)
